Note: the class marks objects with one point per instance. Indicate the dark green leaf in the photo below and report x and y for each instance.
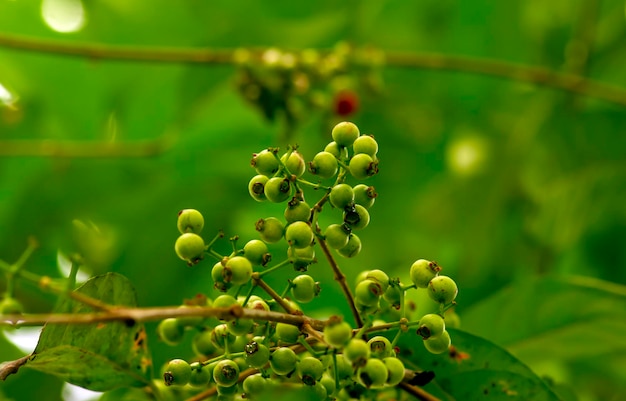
(100, 356)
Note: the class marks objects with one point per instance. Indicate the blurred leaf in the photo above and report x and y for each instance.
(99, 356)
(476, 370)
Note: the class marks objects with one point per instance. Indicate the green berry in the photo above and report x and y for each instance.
(287, 333)
(357, 352)
(337, 235)
(422, 271)
(11, 306)
(226, 392)
(297, 211)
(190, 221)
(238, 270)
(190, 248)
(431, 325)
(364, 195)
(438, 344)
(345, 133)
(352, 248)
(395, 370)
(219, 277)
(226, 373)
(304, 288)
(295, 163)
(202, 344)
(374, 374)
(277, 189)
(200, 375)
(324, 164)
(334, 149)
(368, 292)
(220, 336)
(177, 373)
(170, 331)
(393, 295)
(310, 370)
(442, 289)
(380, 277)
(256, 354)
(315, 392)
(224, 301)
(253, 385)
(265, 163)
(299, 234)
(341, 196)
(367, 309)
(283, 361)
(363, 166)
(329, 383)
(356, 217)
(365, 144)
(337, 332)
(256, 187)
(301, 257)
(240, 326)
(380, 347)
(256, 252)
(271, 229)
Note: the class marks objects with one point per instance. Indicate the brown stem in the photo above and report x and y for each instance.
(11, 367)
(270, 291)
(417, 392)
(340, 278)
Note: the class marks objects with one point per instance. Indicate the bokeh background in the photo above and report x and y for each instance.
(516, 189)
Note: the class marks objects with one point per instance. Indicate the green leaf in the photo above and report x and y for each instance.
(476, 370)
(99, 356)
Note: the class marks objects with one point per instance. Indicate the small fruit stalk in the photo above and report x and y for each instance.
(250, 350)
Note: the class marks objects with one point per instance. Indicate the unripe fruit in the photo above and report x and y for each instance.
(202, 344)
(256, 187)
(334, 149)
(295, 163)
(189, 247)
(200, 375)
(357, 352)
(337, 332)
(226, 393)
(356, 217)
(336, 235)
(301, 257)
(374, 374)
(442, 289)
(287, 333)
(297, 211)
(256, 252)
(271, 229)
(395, 370)
(238, 270)
(221, 336)
(299, 234)
(368, 292)
(431, 325)
(352, 248)
(253, 385)
(283, 361)
(310, 370)
(265, 163)
(380, 347)
(170, 331)
(422, 271)
(190, 221)
(324, 164)
(240, 326)
(380, 277)
(438, 344)
(344, 368)
(11, 306)
(256, 354)
(224, 301)
(226, 373)
(363, 166)
(341, 196)
(365, 144)
(316, 392)
(364, 195)
(393, 295)
(277, 189)
(177, 373)
(345, 133)
(218, 276)
(304, 288)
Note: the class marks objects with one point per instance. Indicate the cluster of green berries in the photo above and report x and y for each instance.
(245, 355)
(288, 83)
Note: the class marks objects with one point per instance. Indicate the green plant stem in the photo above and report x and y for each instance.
(220, 234)
(340, 278)
(273, 268)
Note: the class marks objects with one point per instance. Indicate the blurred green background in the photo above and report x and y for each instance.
(518, 191)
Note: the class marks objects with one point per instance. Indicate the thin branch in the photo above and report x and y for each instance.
(270, 291)
(417, 392)
(537, 75)
(341, 279)
(117, 313)
(11, 367)
(213, 390)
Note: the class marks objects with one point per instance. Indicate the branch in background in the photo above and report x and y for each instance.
(537, 75)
